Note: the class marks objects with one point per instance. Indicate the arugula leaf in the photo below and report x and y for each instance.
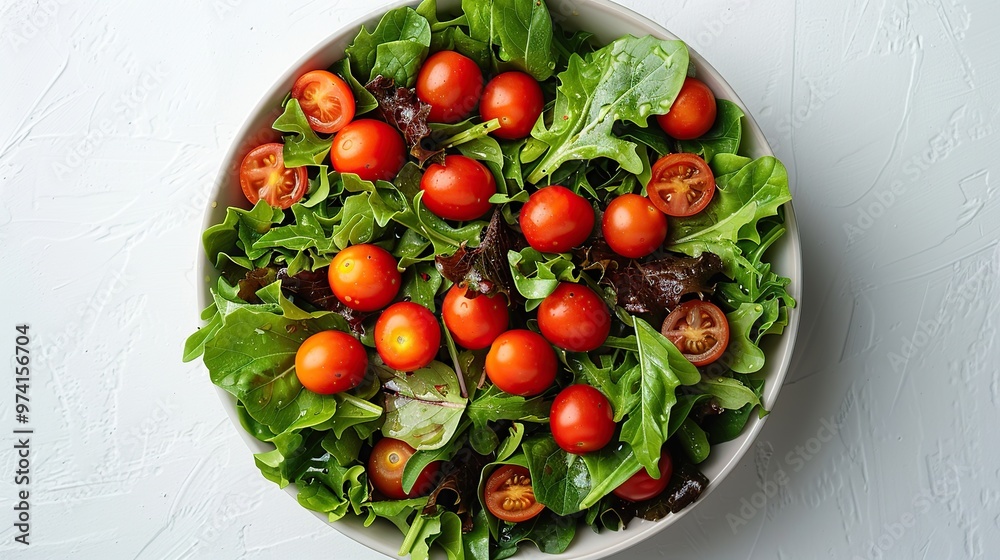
(663, 369)
(536, 274)
(422, 408)
(728, 425)
(238, 232)
(493, 405)
(628, 80)
(302, 145)
(396, 47)
(608, 469)
(724, 136)
(619, 383)
(305, 233)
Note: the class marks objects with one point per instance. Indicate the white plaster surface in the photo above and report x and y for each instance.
(114, 117)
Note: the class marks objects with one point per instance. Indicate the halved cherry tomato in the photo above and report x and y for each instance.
(699, 329)
(474, 323)
(263, 175)
(407, 336)
(681, 185)
(693, 112)
(326, 99)
(385, 470)
(458, 190)
(555, 219)
(581, 419)
(329, 362)
(372, 149)
(633, 227)
(364, 277)
(574, 318)
(450, 83)
(640, 486)
(515, 99)
(509, 495)
(521, 362)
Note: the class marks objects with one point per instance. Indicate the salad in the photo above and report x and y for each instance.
(496, 282)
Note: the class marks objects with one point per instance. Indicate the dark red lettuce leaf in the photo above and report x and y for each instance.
(657, 286)
(401, 108)
(460, 478)
(485, 269)
(314, 289)
(253, 281)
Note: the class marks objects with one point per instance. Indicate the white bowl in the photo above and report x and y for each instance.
(607, 21)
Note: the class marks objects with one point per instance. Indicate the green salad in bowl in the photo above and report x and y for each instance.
(492, 279)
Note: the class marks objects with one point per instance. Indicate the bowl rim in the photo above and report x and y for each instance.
(639, 530)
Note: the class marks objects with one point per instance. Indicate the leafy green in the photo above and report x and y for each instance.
(493, 405)
(743, 355)
(537, 274)
(754, 192)
(663, 369)
(302, 145)
(608, 469)
(628, 80)
(521, 28)
(395, 49)
(422, 408)
(551, 533)
(730, 393)
(252, 356)
(560, 480)
(724, 136)
(693, 440)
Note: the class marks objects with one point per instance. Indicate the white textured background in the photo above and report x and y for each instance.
(114, 116)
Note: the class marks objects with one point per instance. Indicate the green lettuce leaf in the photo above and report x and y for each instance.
(521, 28)
(628, 80)
(422, 408)
(395, 49)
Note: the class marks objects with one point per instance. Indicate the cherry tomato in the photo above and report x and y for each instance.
(326, 99)
(515, 98)
(474, 323)
(407, 336)
(450, 83)
(693, 112)
(633, 227)
(509, 495)
(640, 486)
(699, 329)
(521, 362)
(555, 219)
(574, 318)
(371, 149)
(263, 175)
(329, 362)
(364, 277)
(385, 470)
(681, 185)
(458, 190)
(581, 419)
